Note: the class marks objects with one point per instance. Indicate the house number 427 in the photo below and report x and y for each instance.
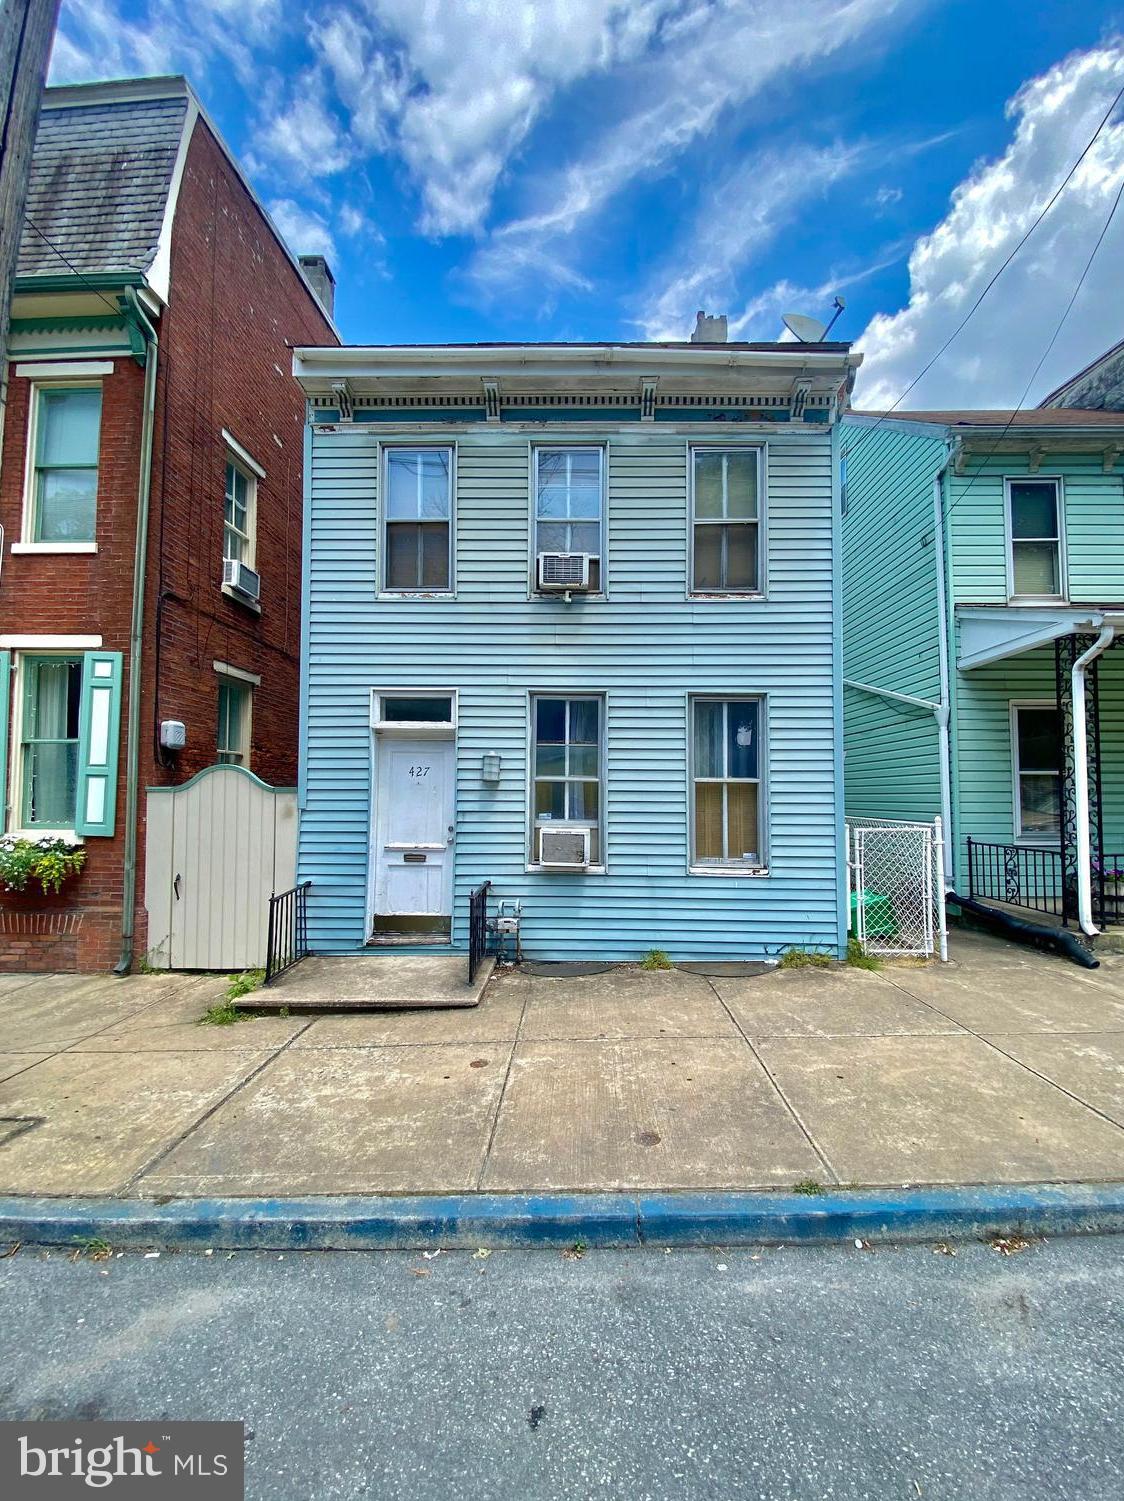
(419, 771)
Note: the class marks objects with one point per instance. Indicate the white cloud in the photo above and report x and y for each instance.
(707, 59)
(304, 231)
(990, 363)
(300, 137)
(739, 216)
(886, 197)
(95, 39)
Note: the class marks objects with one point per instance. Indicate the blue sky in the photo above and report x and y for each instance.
(572, 169)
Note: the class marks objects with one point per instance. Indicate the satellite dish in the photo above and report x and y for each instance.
(806, 330)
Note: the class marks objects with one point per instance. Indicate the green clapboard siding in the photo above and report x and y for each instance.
(645, 648)
(890, 618)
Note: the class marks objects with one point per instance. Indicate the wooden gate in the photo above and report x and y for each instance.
(215, 850)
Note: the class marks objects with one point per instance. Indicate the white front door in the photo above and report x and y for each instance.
(414, 828)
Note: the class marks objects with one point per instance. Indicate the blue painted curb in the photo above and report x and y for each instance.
(497, 1220)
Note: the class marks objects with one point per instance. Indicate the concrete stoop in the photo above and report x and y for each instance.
(374, 982)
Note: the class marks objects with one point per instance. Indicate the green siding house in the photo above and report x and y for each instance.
(983, 587)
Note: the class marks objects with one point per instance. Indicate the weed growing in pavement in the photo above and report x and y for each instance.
(240, 985)
(92, 1246)
(222, 1014)
(807, 1186)
(656, 959)
(804, 959)
(858, 957)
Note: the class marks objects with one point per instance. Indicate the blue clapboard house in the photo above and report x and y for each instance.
(571, 627)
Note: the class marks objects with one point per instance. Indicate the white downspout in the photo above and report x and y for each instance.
(943, 710)
(1081, 779)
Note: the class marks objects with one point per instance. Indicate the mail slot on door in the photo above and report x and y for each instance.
(413, 859)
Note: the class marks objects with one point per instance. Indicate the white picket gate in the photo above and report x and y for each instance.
(216, 848)
(896, 877)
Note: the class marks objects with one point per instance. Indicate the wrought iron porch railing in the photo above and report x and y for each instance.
(287, 940)
(477, 927)
(1016, 875)
(1108, 887)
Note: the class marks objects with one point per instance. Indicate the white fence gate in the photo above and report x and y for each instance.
(896, 874)
(215, 850)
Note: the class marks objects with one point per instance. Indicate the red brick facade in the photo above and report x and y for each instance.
(236, 306)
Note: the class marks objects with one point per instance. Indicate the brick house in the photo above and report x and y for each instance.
(150, 415)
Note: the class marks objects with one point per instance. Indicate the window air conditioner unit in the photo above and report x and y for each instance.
(564, 849)
(242, 580)
(559, 571)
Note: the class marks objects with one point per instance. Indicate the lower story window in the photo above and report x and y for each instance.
(1037, 736)
(566, 757)
(726, 782)
(52, 695)
(233, 736)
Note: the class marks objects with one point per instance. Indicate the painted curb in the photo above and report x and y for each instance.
(597, 1220)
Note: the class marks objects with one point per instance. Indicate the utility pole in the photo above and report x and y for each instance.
(27, 29)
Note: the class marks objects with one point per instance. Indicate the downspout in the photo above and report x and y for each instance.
(943, 710)
(1081, 778)
(136, 638)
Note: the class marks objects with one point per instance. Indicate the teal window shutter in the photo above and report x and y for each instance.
(99, 725)
(5, 708)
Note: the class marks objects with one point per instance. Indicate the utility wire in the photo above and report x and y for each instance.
(1058, 191)
(112, 306)
(1042, 360)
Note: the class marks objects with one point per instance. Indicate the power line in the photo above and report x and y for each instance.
(999, 272)
(1042, 360)
(113, 308)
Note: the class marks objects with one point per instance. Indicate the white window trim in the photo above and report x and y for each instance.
(54, 381)
(570, 446)
(737, 869)
(250, 472)
(36, 647)
(36, 644)
(241, 680)
(1030, 841)
(52, 370)
(384, 590)
(531, 866)
(1063, 575)
(762, 451)
(241, 454)
(414, 729)
(225, 670)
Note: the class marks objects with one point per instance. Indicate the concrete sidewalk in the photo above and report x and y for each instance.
(1003, 1067)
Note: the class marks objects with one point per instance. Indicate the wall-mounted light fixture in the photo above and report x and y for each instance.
(490, 769)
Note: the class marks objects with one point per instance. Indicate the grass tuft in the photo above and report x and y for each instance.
(808, 1186)
(656, 959)
(859, 958)
(804, 959)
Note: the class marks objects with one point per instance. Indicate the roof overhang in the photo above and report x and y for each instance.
(992, 633)
(375, 369)
(1033, 444)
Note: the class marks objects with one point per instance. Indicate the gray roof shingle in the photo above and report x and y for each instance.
(100, 176)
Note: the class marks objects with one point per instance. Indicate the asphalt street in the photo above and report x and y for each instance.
(775, 1373)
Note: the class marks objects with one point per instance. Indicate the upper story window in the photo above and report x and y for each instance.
(1036, 736)
(418, 524)
(1034, 528)
(727, 823)
(66, 430)
(239, 542)
(569, 505)
(726, 520)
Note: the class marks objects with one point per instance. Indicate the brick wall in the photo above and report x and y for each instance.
(236, 307)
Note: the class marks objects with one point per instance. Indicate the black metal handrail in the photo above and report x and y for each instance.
(287, 940)
(477, 927)
(1108, 888)
(1018, 875)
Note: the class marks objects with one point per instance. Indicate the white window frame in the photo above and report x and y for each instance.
(59, 382)
(761, 449)
(401, 445)
(414, 729)
(1034, 841)
(1008, 521)
(565, 446)
(234, 678)
(14, 790)
(738, 868)
(234, 460)
(601, 867)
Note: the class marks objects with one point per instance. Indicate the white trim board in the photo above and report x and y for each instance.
(50, 369)
(241, 454)
(50, 643)
(225, 670)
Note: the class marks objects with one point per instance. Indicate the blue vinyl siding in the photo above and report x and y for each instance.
(646, 648)
(890, 621)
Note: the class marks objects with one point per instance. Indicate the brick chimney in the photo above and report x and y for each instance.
(710, 328)
(319, 276)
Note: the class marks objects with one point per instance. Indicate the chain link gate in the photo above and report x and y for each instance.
(897, 887)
